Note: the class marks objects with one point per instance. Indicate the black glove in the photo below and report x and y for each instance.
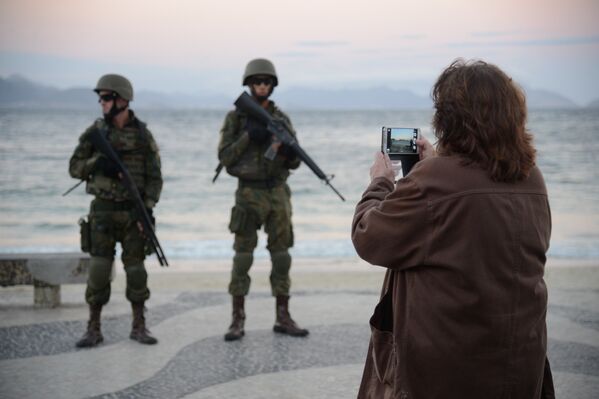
(257, 131)
(259, 134)
(287, 152)
(107, 167)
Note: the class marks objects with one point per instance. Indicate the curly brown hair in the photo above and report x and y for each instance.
(480, 114)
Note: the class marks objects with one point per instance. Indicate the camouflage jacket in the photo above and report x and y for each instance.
(244, 158)
(138, 151)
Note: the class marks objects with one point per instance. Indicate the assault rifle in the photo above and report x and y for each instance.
(98, 137)
(281, 132)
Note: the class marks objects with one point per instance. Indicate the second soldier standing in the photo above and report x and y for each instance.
(262, 198)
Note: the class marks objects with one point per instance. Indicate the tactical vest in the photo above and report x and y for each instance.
(132, 145)
(252, 164)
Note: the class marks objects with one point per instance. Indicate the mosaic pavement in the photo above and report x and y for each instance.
(38, 358)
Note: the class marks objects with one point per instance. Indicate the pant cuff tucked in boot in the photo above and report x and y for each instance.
(284, 323)
(93, 335)
(139, 332)
(236, 331)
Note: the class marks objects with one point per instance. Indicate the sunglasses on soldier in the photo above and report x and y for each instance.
(258, 80)
(107, 97)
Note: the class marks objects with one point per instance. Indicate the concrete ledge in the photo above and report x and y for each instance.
(46, 272)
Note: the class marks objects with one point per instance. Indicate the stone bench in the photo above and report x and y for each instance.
(46, 272)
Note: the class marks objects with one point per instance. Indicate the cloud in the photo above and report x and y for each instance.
(493, 33)
(297, 54)
(322, 43)
(413, 37)
(556, 41)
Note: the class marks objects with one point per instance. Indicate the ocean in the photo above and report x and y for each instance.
(193, 213)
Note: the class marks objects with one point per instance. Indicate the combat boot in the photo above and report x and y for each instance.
(284, 323)
(139, 332)
(236, 328)
(93, 335)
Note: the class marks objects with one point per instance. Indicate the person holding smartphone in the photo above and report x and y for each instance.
(464, 238)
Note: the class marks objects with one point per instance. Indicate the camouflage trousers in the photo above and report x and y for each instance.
(255, 207)
(112, 222)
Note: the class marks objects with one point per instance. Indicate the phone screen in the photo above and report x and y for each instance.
(401, 140)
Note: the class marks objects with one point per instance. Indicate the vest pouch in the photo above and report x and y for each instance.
(239, 218)
(85, 233)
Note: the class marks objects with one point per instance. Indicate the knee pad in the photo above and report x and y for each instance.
(137, 277)
(100, 270)
(281, 262)
(242, 261)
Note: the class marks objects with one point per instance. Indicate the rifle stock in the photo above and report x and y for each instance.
(99, 140)
(247, 104)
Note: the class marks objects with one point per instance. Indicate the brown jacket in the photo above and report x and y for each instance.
(463, 305)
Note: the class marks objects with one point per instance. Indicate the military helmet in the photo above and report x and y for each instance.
(260, 66)
(117, 83)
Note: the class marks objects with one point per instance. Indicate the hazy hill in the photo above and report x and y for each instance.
(594, 104)
(372, 98)
(536, 98)
(16, 91)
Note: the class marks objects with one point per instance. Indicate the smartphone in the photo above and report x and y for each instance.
(399, 141)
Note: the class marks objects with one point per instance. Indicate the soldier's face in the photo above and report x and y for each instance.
(106, 100)
(262, 85)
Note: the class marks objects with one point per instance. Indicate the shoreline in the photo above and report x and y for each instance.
(313, 264)
(315, 274)
(307, 275)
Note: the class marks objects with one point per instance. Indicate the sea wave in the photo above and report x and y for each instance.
(329, 248)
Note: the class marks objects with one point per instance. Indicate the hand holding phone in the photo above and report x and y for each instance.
(399, 143)
(382, 167)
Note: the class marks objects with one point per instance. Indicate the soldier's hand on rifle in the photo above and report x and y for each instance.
(287, 152)
(140, 226)
(276, 145)
(107, 167)
(258, 134)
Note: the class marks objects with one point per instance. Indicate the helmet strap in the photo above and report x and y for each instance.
(114, 111)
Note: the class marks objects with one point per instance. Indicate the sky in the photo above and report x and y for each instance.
(202, 46)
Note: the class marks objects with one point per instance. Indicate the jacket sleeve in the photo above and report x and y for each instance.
(83, 159)
(153, 173)
(232, 144)
(390, 227)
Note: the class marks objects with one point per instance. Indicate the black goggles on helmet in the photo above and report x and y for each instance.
(107, 97)
(258, 80)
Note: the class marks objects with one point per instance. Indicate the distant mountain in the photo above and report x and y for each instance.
(17, 91)
(536, 99)
(594, 104)
(364, 99)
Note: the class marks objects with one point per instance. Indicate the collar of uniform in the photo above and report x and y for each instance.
(271, 107)
(132, 120)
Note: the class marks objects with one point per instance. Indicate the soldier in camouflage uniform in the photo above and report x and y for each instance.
(262, 198)
(112, 213)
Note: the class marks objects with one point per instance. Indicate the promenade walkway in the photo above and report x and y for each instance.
(189, 311)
